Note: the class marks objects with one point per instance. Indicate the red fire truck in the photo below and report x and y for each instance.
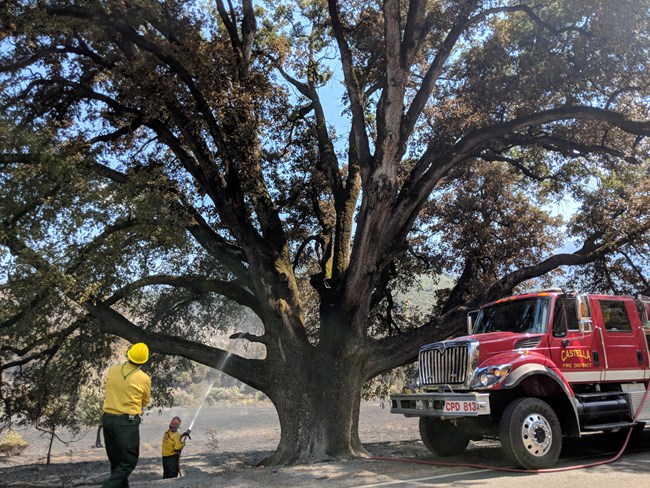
(534, 368)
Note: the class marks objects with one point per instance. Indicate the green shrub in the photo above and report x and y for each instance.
(12, 444)
(232, 394)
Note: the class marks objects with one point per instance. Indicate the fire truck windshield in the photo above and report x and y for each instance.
(528, 315)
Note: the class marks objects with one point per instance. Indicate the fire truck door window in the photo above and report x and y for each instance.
(565, 318)
(623, 344)
(559, 319)
(571, 313)
(615, 316)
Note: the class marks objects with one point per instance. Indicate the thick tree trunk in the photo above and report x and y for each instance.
(319, 412)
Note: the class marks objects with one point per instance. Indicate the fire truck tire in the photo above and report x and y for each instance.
(530, 434)
(442, 437)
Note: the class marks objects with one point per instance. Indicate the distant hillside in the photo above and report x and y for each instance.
(421, 295)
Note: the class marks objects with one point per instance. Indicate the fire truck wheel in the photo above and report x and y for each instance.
(530, 434)
(442, 437)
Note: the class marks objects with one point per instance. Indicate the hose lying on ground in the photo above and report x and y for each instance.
(531, 471)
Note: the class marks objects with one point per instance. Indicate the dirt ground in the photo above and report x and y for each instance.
(227, 443)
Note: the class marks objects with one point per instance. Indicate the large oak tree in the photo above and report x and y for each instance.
(165, 160)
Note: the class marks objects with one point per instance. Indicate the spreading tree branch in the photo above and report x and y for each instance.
(193, 283)
(636, 269)
(230, 256)
(353, 89)
(250, 371)
(590, 252)
(49, 352)
(433, 74)
(432, 166)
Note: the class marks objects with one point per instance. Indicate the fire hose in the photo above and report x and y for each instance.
(184, 435)
(531, 471)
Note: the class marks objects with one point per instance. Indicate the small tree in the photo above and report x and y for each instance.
(45, 394)
(89, 410)
(58, 414)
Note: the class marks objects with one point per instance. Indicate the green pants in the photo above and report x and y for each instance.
(171, 466)
(122, 439)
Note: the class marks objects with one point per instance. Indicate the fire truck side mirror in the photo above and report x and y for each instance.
(644, 309)
(471, 317)
(585, 326)
(584, 314)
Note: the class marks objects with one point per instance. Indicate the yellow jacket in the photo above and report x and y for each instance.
(128, 389)
(172, 443)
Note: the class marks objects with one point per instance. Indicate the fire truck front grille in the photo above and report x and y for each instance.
(440, 365)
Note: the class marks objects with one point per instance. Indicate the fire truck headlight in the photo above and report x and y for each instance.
(490, 376)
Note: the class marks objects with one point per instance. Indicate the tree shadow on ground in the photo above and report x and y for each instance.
(239, 468)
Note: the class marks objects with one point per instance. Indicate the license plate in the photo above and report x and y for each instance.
(452, 406)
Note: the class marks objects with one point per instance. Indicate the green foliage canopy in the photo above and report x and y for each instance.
(167, 165)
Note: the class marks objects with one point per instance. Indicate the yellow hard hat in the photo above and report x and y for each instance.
(138, 353)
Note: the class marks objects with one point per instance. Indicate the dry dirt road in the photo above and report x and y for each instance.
(228, 441)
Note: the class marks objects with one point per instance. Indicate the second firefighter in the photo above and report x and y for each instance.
(172, 444)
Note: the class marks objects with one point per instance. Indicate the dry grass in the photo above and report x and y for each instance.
(12, 444)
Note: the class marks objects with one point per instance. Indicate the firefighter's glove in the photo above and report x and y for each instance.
(186, 434)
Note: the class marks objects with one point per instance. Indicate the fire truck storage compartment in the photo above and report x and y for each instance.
(636, 392)
(603, 408)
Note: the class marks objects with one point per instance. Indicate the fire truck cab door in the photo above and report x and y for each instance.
(626, 352)
(579, 356)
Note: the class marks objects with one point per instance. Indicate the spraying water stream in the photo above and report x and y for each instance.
(201, 405)
(221, 365)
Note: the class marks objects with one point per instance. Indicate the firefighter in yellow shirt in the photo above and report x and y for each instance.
(173, 443)
(128, 391)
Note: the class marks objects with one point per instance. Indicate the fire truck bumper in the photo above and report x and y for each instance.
(441, 404)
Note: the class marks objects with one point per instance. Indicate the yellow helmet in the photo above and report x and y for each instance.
(138, 353)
